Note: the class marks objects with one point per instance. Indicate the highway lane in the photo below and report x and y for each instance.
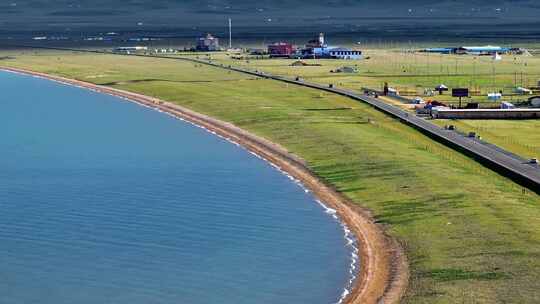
(495, 158)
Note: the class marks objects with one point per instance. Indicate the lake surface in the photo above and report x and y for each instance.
(105, 201)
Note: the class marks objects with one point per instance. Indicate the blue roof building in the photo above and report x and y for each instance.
(440, 50)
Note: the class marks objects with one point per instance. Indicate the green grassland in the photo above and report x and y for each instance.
(471, 236)
(518, 136)
(411, 72)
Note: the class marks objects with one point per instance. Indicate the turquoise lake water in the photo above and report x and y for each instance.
(105, 201)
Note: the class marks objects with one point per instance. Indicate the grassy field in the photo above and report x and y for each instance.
(471, 236)
(411, 72)
(518, 136)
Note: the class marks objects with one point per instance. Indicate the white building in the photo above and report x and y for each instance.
(319, 48)
(208, 43)
(130, 49)
(482, 50)
(344, 53)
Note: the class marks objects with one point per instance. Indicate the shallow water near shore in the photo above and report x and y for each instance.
(105, 201)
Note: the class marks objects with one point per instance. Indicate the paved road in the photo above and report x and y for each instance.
(494, 157)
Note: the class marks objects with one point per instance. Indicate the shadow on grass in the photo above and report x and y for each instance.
(112, 83)
(329, 109)
(404, 213)
(452, 274)
(407, 211)
(510, 253)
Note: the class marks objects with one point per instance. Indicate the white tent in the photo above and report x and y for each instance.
(507, 105)
(441, 87)
(494, 96)
(393, 92)
(523, 91)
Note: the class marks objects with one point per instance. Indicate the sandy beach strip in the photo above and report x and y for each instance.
(383, 275)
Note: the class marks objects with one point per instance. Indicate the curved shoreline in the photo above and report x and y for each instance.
(383, 276)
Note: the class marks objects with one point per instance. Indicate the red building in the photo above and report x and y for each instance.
(280, 49)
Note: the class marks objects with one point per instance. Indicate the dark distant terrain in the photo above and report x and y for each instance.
(348, 20)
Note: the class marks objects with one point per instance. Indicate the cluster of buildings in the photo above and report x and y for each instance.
(206, 43)
(487, 50)
(316, 48)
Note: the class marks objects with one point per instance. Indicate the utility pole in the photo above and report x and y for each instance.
(474, 71)
(427, 65)
(230, 33)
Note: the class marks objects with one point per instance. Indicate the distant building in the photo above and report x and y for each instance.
(317, 43)
(314, 48)
(344, 53)
(440, 50)
(475, 50)
(482, 50)
(318, 48)
(280, 49)
(164, 51)
(208, 43)
(130, 49)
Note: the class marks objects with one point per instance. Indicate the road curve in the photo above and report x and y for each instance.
(493, 157)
